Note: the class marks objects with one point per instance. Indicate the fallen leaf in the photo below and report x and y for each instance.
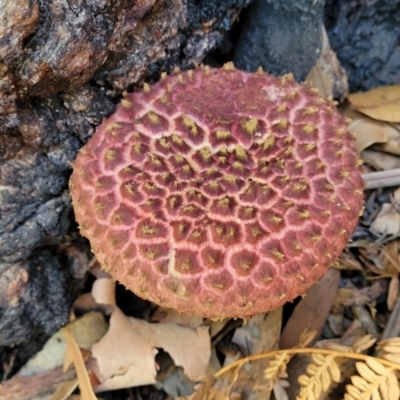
(86, 330)
(327, 75)
(390, 257)
(352, 296)
(379, 160)
(368, 131)
(125, 355)
(73, 355)
(382, 103)
(393, 293)
(312, 311)
(387, 222)
(392, 146)
(349, 262)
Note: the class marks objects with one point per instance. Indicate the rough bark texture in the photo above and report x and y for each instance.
(62, 65)
(280, 36)
(366, 38)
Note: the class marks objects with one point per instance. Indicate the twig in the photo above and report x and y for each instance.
(381, 179)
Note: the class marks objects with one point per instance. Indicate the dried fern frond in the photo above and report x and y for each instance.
(390, 349)
(277, 368)
(375, 381)
(306, 338)
(206, 391)
(395, 341)
(363, 343)
(358, 346)
(294, 351)
(322, 372)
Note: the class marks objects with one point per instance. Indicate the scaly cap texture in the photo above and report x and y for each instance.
(219, 192)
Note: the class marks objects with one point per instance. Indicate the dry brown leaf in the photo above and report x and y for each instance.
(393, 293)
(327, 75)
(125, 355)
(382, 103)
(390, 257)
(368, 131)
(349, 262)
(312, 311)
(352, 296)
(379, 160)
(392, 146)
(387, 222)
(73, 355)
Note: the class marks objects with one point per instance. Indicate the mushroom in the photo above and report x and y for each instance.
(218, 192)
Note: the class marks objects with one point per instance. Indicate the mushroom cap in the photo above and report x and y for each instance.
(218, 192)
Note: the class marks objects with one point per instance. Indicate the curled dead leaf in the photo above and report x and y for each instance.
(125, 355)
(382, 103)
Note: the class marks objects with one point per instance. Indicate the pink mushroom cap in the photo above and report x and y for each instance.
(218, 192)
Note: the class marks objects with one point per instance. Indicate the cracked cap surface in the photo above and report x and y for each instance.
(219, 192)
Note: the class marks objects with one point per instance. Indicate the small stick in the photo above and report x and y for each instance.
(381, 179)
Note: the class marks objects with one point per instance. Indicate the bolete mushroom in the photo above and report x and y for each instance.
(219, 192)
